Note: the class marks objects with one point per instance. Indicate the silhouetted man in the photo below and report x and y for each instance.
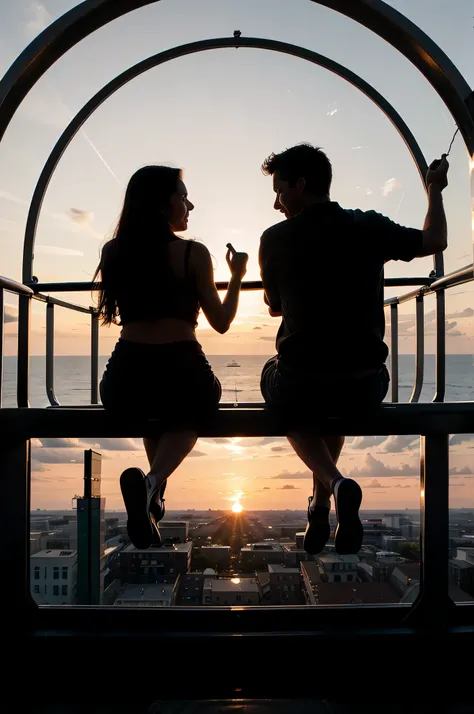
(322, 272)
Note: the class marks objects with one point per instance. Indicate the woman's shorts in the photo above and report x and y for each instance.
(173, 381)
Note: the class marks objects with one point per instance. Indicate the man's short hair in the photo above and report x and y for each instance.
(302, 161)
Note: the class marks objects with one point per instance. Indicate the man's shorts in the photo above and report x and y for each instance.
(328, 395)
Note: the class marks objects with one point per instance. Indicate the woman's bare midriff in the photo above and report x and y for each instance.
(159, 332)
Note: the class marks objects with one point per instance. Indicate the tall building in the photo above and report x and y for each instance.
(91, 534)
(285, 585)
(53, 577)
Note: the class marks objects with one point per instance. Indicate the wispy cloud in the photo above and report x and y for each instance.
(10, 313)
(331, 112)
(37, 19)
(7, 196)
(77, 215)
(78, 220)
(57, 250)
(390, 185)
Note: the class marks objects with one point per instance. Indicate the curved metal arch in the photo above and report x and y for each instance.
(183, 50)
(375, 15)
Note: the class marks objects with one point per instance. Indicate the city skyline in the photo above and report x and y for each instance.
(217, 115)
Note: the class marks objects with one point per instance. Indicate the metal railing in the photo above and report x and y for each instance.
(25, 295)
(35, 291)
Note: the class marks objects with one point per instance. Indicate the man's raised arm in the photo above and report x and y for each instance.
(435, 230)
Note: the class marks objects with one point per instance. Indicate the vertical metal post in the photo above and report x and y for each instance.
(94, 358)
(15, 518)
(2, 317)
(434, 534)
(50, 355)
(394, 350)
(440, 347)
(23, 378)
(419, 349)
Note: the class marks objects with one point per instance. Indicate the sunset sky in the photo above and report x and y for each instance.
(217, 115)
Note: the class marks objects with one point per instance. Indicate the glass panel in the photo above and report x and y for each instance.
(10, 348)
(234, 526)
(461, 518)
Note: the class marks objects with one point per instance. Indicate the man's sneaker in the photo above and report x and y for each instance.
(140, 525)
(317, 531)
(156, 508)
(349, 532)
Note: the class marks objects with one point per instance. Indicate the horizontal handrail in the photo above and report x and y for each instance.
(62, 303)
(12, 286)
(450, 280)
(457, 277)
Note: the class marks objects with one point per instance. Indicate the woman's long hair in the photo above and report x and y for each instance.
(138, 253)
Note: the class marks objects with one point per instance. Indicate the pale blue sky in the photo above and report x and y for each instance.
(218, 114)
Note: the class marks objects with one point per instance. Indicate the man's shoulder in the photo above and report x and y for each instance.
(276, 231)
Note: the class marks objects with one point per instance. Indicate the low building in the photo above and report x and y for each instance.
(293, 555)
(258, 555)
(374, 530)
(53, 577)
(339, 568)
(299, 537)
(177, 531)
(465, 554)
(404, 576)
(393, 542)
(234, 591)
(462, 574)
(155, 595)
(192, 585)
(285, 585)
(217, 555)
(319, 592)
(411, 531)
(150, 565)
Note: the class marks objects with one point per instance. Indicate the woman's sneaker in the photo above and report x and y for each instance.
(349, 532)
(141, 526)
(317, 531)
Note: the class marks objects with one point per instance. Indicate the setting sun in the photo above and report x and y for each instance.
(237, 507)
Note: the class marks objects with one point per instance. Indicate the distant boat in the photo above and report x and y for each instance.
(234, 364)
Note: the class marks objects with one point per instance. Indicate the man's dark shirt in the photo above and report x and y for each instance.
(324, 270)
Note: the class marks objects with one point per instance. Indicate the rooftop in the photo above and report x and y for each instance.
(335, 558)
(282, 569)
(213, 545)
(410, 570)
(355, 593)
(56, 553)
(145, 594)
(234, 585)
(176, 547)
(461, 564)
(266, 545)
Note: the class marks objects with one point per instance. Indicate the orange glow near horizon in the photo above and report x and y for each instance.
(237, 507)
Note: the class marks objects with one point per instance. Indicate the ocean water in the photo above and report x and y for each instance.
(239, 383)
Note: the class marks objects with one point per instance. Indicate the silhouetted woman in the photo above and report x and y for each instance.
(153, 285)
